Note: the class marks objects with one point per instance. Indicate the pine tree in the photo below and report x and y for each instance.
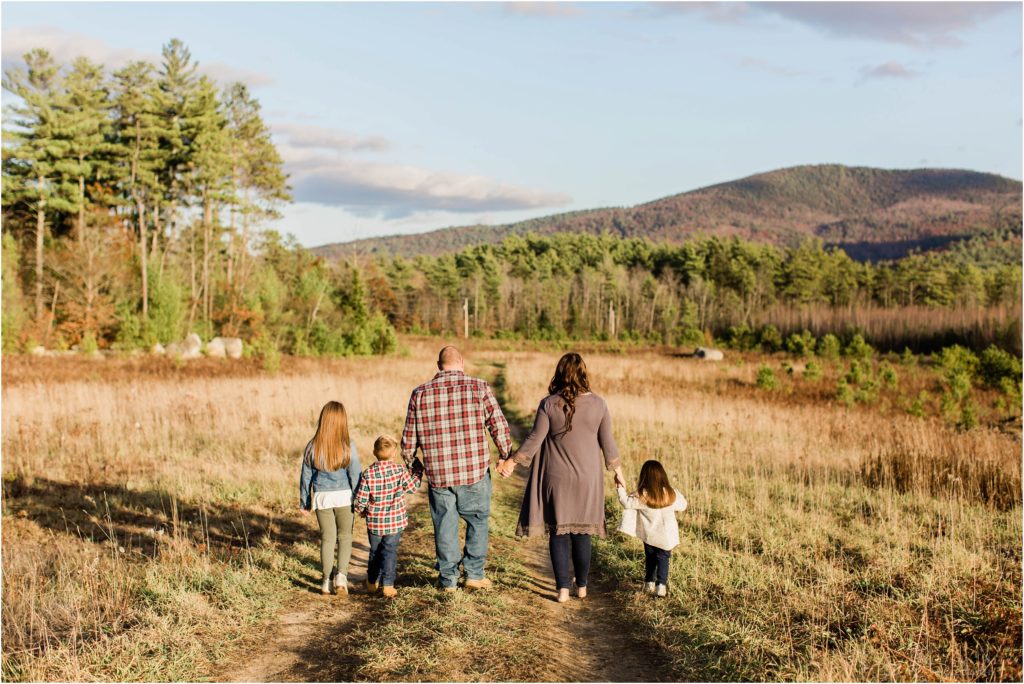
(85, 124)
(32, 150)
(137, 133)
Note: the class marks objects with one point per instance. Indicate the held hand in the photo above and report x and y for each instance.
(620, 481)
(506, 467)
(304, 511)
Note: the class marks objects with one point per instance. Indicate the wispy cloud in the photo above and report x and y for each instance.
(66, 46)
(322, 171)
(891, 69)
(758, 64)
(543, 9)
(320, 137)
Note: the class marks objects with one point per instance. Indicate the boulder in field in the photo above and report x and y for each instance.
(157, 349)
(191, 348)
(233, 347)
(215, 348)
(173, 349)
(38, 350)
(709, 354)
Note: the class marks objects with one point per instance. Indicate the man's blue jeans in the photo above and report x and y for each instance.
(382, 567)
(472, 503)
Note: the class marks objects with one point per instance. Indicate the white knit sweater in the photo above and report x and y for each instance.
(654, 526)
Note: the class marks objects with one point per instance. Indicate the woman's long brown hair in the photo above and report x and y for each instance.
(331, 443)
(569, 381)
(653, 487)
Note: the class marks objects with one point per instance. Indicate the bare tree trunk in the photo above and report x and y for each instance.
(40, 234)
(141, 211)
(207, 229)
(81, 207)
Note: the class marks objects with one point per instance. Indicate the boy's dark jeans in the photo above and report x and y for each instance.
(656, 564)
(559, 546)
(383, 564)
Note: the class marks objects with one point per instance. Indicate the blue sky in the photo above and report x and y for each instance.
(403, 117)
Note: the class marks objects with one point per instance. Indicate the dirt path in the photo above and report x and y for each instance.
(585, 640)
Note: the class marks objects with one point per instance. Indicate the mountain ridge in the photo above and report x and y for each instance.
(871, 213)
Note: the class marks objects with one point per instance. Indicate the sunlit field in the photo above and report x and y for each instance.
(148, 514)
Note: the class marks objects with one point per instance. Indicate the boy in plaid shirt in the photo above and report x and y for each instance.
(381, 500)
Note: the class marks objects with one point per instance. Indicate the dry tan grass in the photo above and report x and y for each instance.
(149, 515)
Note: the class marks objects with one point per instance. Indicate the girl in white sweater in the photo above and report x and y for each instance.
(650, 516)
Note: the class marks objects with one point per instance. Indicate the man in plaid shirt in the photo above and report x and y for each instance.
(448, 420)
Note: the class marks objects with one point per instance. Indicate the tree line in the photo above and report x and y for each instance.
(586, 286)
(135, 206)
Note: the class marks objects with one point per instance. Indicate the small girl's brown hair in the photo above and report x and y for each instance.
(385, 448)
(653, 487)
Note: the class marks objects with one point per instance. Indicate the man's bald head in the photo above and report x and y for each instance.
(450, 358)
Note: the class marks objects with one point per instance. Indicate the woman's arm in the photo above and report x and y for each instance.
(680, 502)
(531, 445)
(305, 478)
(606, 440)
(355, 470)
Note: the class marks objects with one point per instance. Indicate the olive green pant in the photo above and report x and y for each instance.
(335, 529)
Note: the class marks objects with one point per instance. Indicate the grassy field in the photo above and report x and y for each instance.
(149, 525)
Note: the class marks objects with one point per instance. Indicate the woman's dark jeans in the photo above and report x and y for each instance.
(656, 564)
(559, 545)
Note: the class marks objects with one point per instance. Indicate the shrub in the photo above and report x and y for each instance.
(801, 344)
(689, 336)
(995, 365)
(917, 407)
(741, 337)
(770, 339)
(857, 348)
(888, 375)
(858, 373)
(867, 392)
(843, 392)
(766, 378)
(828, 346)
(812, 371)
(89, 344)
(956, 360)
(907, 358)
(968, 416)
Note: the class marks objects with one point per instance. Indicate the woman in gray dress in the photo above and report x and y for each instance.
(570, 445)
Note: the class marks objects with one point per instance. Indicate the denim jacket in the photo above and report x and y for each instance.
(325, 480)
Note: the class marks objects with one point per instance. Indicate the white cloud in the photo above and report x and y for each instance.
(397, 190)
(66, 46)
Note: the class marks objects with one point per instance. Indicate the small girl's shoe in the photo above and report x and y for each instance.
(389, 592)
(325, 586)
(563, 595)
(648, 587)
(340, 584)
(661, 590)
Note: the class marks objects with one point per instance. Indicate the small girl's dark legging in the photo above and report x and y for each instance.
(559, 545)
(656, 564)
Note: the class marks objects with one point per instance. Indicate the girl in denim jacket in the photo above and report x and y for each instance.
(330, 474)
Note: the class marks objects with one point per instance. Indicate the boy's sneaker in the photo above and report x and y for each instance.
(389, 592)
(371, 588)
(648, 587)
(661, 590)
(477, 584)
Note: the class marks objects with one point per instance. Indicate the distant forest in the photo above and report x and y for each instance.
(136, 206)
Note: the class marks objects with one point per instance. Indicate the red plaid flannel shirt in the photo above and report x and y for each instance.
(448, 420)
(381, 494)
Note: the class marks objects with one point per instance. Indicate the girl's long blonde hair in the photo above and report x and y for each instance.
(331, 444)
(653, 487)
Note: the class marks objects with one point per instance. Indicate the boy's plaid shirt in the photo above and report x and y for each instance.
(448, 419)
(381, 494)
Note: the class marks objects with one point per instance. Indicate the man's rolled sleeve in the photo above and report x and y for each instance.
(496, 423)
(409, 441)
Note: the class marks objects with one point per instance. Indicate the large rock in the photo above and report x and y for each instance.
(215, 348)
(709, 354)
(192, 347)
(173, 349)
(233, 347)
(158, 350)
(38, 350)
